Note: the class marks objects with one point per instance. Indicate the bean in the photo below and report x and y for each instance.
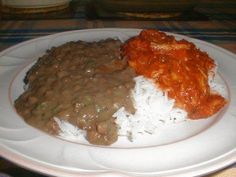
(32, 100)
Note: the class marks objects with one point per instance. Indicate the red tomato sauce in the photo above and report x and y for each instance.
(177, 67)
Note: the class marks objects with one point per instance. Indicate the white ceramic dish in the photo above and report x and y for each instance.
(186, 149)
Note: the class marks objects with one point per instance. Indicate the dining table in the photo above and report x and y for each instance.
(211, 25)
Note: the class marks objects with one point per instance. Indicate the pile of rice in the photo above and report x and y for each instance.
(153, 110)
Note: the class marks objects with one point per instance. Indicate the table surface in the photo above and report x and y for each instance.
(219, 31)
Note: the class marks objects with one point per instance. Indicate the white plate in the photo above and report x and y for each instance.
(186, 149)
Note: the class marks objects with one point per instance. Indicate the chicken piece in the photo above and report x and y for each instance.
(178, 68)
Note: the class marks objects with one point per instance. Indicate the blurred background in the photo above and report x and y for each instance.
(119, 9)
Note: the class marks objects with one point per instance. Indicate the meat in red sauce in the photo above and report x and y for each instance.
(177, 67)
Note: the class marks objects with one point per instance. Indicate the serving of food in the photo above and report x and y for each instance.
(113, 101)
(105, 89)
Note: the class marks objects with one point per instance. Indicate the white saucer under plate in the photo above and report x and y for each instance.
(191, 148)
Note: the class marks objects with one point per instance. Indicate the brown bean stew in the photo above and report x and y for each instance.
(83, 83)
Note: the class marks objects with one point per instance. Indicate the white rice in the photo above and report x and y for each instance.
(218, 88)
(69, 131)
(153, 110)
